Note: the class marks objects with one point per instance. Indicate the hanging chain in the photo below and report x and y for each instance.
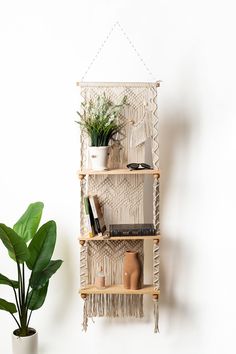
(99, 51)
(117, 24)
(136, 51)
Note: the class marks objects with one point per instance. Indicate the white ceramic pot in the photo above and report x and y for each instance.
(99, 157)
(25, 345)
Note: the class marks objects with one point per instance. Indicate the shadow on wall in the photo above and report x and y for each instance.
(177, 128)
(175, 139)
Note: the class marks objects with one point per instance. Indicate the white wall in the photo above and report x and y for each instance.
(45, 48)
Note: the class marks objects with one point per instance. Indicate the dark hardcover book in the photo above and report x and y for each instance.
(132, 230)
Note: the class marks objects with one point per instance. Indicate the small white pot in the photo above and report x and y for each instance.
(99, 157)
(25, 345)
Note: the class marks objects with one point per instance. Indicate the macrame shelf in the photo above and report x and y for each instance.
(121, 195)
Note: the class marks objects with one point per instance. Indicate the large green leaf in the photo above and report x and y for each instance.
(7, 306)
(6, 281)
(27, 225)
(39, 279)
(15, 244)
(42, 246)
(37, 297)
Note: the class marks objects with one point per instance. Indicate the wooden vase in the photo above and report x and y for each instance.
(131, 271)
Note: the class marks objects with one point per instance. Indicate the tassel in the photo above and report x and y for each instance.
(156, 315)
(85, 315)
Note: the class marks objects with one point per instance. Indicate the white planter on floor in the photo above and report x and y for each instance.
(99, 157)
(25, 345)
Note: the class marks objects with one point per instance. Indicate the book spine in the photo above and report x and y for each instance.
(134, 232)
(89, 230)
(92, 203)
(95, 215)
(99, 214)
(148, 231)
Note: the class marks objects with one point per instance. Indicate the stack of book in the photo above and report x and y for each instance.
(132, 230)
(95, 220)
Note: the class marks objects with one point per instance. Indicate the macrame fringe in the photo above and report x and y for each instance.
(107, 305)
(156, 316)
(85, 315)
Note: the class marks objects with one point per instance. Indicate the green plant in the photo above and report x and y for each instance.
(29, 247)
(100, 119)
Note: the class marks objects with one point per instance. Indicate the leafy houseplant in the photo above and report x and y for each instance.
(99, 120)
(29, 247)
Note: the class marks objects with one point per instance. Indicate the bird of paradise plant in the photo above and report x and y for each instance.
(29, 247)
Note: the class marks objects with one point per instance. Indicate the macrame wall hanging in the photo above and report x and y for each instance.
(121, 197)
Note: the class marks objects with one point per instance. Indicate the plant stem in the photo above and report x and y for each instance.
(27, 305)
(17, 302)
(16, 320)
(23, 293)
(19, 292)
(29, 318)
(28, 302)
(23, 281)
(23, 314)
(27, 292)
(20, 284)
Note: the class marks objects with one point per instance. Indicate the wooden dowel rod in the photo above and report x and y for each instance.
(118, 84)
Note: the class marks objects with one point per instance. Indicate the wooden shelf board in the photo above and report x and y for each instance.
(102, 238)
(121, 171)
(119, 289)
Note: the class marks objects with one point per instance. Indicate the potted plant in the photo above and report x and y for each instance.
(29, 247)
(99, 120)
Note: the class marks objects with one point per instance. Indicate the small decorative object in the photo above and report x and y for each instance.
(139, 166)
(116, 155)
(132, 271)
(100, 279)
(32, 247)
(142, 130)
(99, 120)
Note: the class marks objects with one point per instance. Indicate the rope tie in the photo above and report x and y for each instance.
(156, 316)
